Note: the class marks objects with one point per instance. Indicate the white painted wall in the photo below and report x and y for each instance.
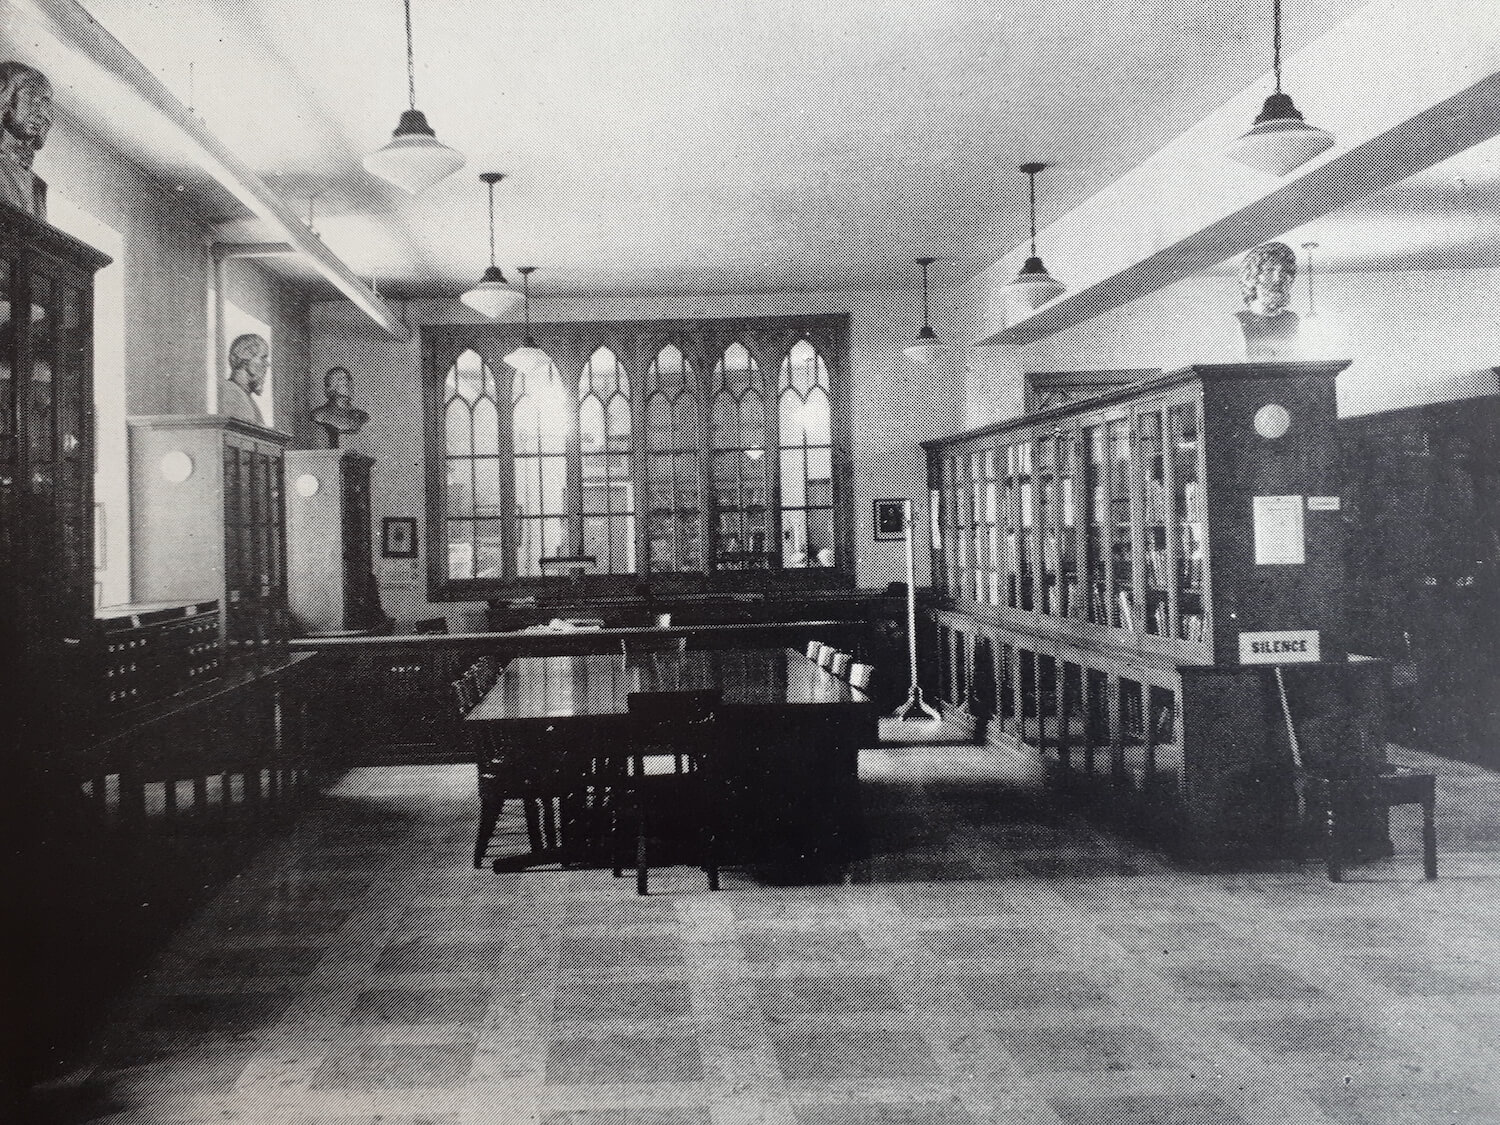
(1414, 337)
(895, 404)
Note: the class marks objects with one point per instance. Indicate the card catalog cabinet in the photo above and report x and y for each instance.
(208, 522)
(153, 652)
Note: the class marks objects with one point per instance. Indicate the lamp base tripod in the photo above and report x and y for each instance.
(916, 708)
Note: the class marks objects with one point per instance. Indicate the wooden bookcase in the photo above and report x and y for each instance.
(1118, 578)
(208, 522)
(46, 464)
(330, 568)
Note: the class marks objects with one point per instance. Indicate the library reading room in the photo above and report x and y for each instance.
(559, 565)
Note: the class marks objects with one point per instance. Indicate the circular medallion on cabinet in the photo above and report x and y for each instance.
(1272, 420)
(176, 466)
(308, 485)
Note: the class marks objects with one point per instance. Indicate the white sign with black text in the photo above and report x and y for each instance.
(1291, 646)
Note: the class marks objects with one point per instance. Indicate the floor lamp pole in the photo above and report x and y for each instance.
(915, 706)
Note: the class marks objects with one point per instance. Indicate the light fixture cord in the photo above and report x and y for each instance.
(492, 224)
(526, 304)
(1312, 304)
(1276, 41)
(1032, 176)
(411, 66)
(925, 322)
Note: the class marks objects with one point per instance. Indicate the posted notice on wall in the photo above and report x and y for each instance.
(1280, 531)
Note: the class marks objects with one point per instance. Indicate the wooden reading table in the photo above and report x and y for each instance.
(794, 730)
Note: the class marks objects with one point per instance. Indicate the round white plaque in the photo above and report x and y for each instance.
(308, 485)
(176, 466)
(1272, 420)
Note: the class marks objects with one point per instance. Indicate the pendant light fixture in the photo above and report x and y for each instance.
(926, 347)
(1033, 287)
(414, 159)
(1280, 139)
(528, 359)
(492, 297)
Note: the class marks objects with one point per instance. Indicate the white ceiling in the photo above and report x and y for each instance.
(724, 146)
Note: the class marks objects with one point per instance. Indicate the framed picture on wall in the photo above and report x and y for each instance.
(398, 538)
(890, 519)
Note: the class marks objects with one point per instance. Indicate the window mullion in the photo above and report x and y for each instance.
(772, 376)
(509, 502)
(639, 375)
(707, 509)
(572, 370)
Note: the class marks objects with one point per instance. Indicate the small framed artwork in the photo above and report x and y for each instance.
(398, 538)
(890, 519)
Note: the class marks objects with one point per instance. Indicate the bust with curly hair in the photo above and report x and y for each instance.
(1266, 277)
(25, 121)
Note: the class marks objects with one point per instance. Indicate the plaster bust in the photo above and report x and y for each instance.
(338, 416)
(25, 121)
(1266, 277)
(249, 359)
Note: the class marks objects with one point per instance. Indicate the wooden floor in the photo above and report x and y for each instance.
(997, 960)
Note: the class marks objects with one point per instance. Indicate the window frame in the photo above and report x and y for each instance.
(635, 345)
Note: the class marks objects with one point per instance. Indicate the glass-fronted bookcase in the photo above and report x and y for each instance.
(1098, 519)
(1104, 569)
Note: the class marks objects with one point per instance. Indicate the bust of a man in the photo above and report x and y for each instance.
(1266, 277)
(249, 359)
(338, 416)
(25, 121)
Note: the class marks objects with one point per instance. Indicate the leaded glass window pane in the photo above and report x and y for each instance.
(738, 476)
(806, 459)
(674, 524)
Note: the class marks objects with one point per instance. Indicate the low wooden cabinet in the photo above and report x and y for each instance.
(208, 523)
(331, 586)
(1118, 581)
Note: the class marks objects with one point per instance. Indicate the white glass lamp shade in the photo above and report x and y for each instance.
(414, 159)
(529, 359)
(492, 297)
(926, 348)
(1280, 139)
(1030, 289)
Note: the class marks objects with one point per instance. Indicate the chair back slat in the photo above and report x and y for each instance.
(859, 675)
(825, 658)
(840, 665)
(814, 650)
(464, 698)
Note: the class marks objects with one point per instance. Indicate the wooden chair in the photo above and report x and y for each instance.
(485, 671)
(645, 642)
(539, 781)
(1397, 785)
(1336, 799)
(685, 726)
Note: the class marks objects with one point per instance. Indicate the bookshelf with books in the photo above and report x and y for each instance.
(1148, 540)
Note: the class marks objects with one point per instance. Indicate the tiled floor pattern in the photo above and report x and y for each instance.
(996, 961)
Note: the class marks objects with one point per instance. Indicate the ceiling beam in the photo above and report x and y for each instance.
(1189, 207)
(73, 27)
